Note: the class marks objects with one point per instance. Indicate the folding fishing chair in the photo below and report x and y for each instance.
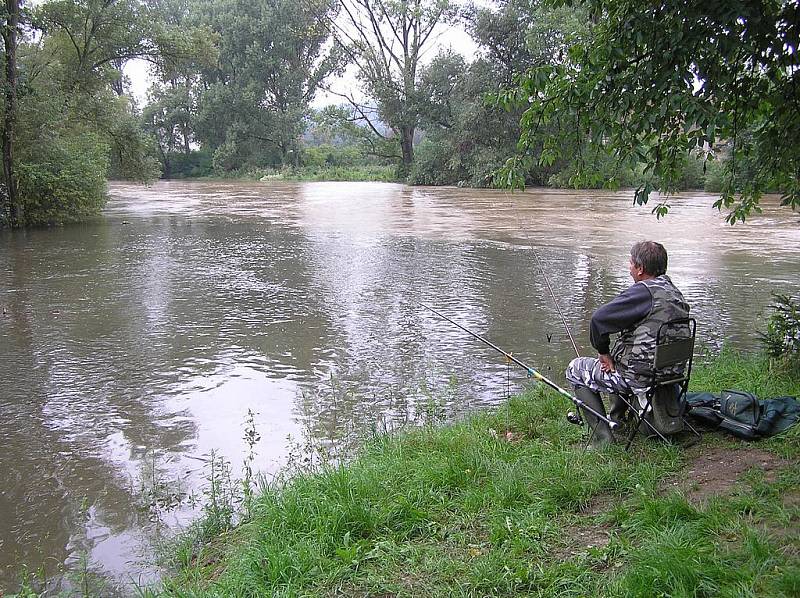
(663, 406)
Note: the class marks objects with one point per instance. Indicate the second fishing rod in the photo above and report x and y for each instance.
(531, 371)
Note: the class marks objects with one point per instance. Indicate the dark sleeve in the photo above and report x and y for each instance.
(626, 309)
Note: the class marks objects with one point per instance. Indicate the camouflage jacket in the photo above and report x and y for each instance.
(634, 350)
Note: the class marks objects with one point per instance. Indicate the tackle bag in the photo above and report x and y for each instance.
(743, 414)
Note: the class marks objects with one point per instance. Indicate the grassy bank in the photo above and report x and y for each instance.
(484, 508)
(365, 173)
(373, 173)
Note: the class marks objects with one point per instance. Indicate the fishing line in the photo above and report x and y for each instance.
(555, 301)
(552, 294)
(508, 396)
(574, 418)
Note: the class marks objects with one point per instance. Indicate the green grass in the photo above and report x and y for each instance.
(367, 173)
(460, 510)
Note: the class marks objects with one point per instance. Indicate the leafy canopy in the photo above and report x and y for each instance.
(273, 57)
(467, 138)
(654, 82)
(73, 126)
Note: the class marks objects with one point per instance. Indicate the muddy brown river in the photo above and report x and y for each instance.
(132, 348)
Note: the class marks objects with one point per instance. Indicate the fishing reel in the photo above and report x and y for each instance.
(574, 418)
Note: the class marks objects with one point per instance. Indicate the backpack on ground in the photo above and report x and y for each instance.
(743, 414)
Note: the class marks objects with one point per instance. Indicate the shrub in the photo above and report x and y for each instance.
(715, 176)
(599, 170)
(198, 163)
(65, 181)
(692, 174)
(782, 337)
(226, 157)
(132, 153)
(435, 163)
(439, 161)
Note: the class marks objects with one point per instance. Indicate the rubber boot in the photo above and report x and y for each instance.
(619, 409)
(602, 433)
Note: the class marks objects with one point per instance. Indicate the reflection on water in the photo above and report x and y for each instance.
(133, 347)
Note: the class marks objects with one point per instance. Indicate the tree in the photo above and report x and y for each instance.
(67, 124)
(654, 82)
(468, 136)
(172, 102)
(10, 25)
(97, 37)
(85, 45)
(386, 39)
(504, 33)
(272, 59)
(167, 117)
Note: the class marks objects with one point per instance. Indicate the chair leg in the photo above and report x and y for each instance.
(640, 418)
(591, 436)
(636, 419)
(688, 425)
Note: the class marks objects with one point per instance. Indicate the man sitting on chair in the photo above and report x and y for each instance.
(636, 314)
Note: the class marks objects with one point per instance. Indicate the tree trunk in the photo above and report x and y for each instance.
(166, 161)
(118, 85)
(10, 44)
(186, 126)
(187, 148)
(407, 147)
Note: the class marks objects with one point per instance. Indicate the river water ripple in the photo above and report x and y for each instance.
(132, 347)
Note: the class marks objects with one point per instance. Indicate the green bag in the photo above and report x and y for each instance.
(742, 413)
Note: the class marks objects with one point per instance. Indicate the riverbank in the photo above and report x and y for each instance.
(373, 173)
(362, 173)
(508, 503)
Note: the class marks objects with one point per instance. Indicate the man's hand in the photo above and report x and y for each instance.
(606, 363)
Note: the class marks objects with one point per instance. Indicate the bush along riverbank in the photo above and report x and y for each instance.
(358, 173)
(508, 503)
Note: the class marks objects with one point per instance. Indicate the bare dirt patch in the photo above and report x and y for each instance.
(791, 499)
(599, 504)
(711, 471)
(580, 538)
(716, 471)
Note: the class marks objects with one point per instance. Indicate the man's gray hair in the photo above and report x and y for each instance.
(650, 257)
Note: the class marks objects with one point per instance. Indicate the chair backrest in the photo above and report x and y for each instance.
(674, 347)
(673, 352)
(672, 366)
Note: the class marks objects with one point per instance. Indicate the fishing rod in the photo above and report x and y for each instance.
(531, 372)
(555, 301)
